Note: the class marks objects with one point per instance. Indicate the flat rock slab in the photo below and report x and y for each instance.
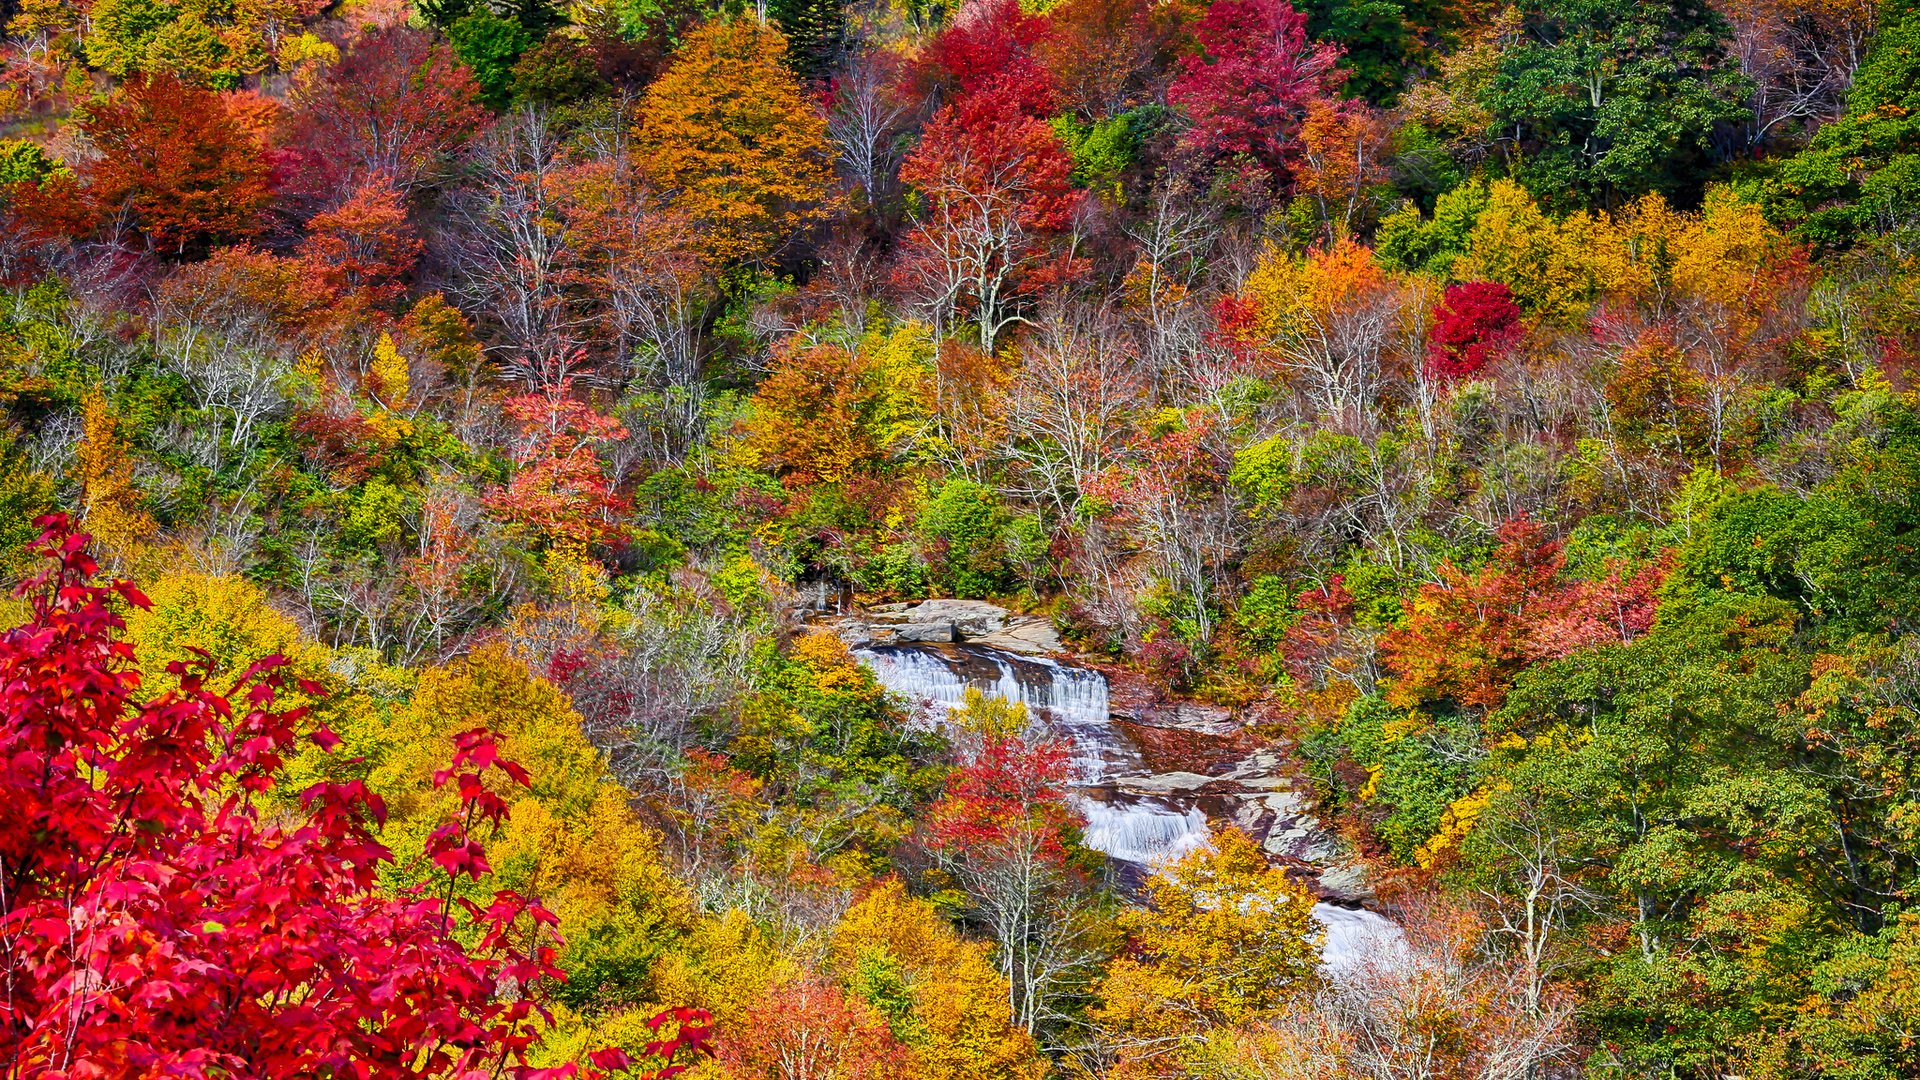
(1025, 635)
(1165, 783)
(973, 618)
(926, 632)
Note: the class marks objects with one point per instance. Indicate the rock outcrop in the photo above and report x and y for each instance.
(975, 622)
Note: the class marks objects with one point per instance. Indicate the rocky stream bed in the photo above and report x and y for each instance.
(1152, 775)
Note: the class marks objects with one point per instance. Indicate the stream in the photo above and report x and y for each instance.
(1143, 805)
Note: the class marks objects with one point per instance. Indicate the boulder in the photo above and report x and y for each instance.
(1024, 635)
(926, 632)
(972, 618)
(1173, 783)
(852, 632)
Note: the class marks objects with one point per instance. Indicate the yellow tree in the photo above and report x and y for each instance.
(1225, 939)
(826, 412)
(221, 624)
(110, 502)
(727, 130)
(572, 839)
(940, 993)
(1554, 267)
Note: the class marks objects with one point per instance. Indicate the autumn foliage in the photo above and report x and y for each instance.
(1472, 324)
(1466, 636)
(993, 46)
(394, 110)
(185, 164)
(560, 490)
(728, 132)
(155, 919)
(1477, 445)
(994, 181)
(1246, 91)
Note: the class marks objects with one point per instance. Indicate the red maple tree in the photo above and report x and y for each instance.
(991, 46)
(1474, 322)
(1246, 92)
(996, 193)
(364, 248)
(1007, 802)
(396, 107)
(559, 489)
(155, 921)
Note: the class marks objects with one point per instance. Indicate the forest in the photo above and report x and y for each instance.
(987, 540)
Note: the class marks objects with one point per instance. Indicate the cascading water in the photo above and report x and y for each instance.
(1142, 830)
(1072, 703)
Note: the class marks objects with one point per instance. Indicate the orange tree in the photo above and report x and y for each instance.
(727, 130)
(186, 164)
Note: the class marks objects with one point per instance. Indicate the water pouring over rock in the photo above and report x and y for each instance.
(1139, 811)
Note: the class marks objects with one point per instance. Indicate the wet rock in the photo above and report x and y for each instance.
(1139, 700)
(852, 632)
(1149, 776)
(1345, 883)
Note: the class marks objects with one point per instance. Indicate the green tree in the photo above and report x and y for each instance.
(1609, 100)
(490, 46)
(962, 529)
(1860, 176)
(1670, 774)
(816, 33)
(1380, 38)
(558, 71)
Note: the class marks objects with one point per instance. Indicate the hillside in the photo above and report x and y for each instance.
(906, 541)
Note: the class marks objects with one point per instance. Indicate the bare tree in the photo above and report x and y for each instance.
(1171, 258)
(1066, 407)
(1801, 58)
(634, 267)
(513, 247)
(223, 337)
(1531, 891)
(1338, 351)
(678, 660)
(868, 122)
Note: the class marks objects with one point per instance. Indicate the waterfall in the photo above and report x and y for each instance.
(931, 678)
(931, 682)
(1145, 831)
(1356, 938)
(1070, 701)
(1148, 831)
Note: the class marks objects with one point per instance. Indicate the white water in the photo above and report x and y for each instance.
(1144, 830)
(1357, 937)
(1071, 693)
(1071, 702)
